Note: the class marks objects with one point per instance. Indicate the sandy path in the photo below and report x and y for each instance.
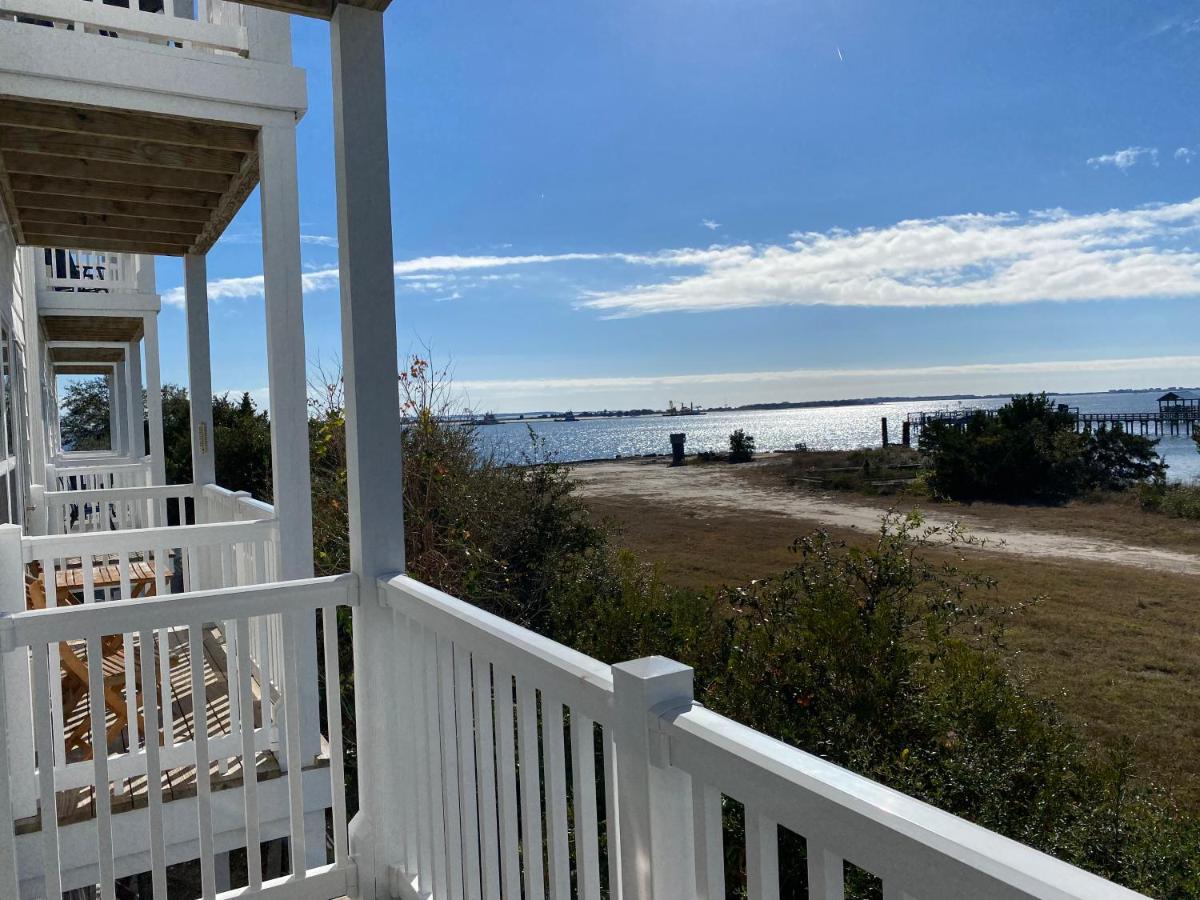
(720, 490)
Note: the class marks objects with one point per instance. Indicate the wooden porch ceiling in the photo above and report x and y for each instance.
(74, 176)
(82, 369)
(95, 329)
(320, 9)
(86, 354)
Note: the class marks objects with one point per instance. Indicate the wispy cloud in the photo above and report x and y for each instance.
(877, 376)
(966, 260)
(1185, 154)
(710, 224)
(319, 240)
(1125, 159)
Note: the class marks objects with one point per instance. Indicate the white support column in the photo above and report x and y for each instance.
(154, 414)
(373, 431)
(137, 411)
(654, 800)
(34, 354)
(287, 376)
(16, 679)
(195, 286)
(286, 373)
(118, 409)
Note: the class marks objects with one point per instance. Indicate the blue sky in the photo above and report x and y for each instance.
(613, 203)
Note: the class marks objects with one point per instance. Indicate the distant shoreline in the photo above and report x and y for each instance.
(548, 415)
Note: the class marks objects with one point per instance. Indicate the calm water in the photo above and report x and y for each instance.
(828, 428)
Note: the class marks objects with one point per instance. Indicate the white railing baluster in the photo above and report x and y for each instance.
(333, 706)
(762, 857)
(554, 755)
(709, 841)
(9, 882)
(131, 692)
(510, 838)
(486, 762)
(291, 719)
(158, 853)
(612, 819)
(45, 741)
(826, 873)
(249, 757)
(167, 701)
(583, 773)
(531, 791)
(50, 589)
(103, 793)
(433, 755)
(423, 829)
(401, 666)
(451, 776)
(468, 792)
(200, 742)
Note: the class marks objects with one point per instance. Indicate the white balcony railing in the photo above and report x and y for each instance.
(225, 741)
(87, 271)
(523, 768)
(219, 26)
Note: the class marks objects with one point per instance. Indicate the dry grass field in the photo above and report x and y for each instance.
(1117, 647)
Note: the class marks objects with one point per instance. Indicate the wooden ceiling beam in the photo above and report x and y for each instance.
(116, 173)
(231, 202)
(39, 239)
(92, 329)
(93, 220)
(34, 205)
(105, 123)
(120, 150)
(101, 190)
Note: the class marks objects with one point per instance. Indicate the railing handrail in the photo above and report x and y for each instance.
(888, 833)
(131, 540)
(579, 680)
(63, 467)
(241, 498)
(117, 494)
(88, 620)
(133, 23)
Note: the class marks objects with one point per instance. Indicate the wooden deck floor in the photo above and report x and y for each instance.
(78, 804)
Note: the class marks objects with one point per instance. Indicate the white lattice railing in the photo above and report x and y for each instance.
(637, 779)
(218, 29)
(32, 782)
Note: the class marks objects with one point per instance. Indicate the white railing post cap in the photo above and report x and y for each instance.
(657, 679)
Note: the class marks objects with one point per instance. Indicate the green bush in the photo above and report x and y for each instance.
(1030, 451)
(1173, 499)
(741, 447)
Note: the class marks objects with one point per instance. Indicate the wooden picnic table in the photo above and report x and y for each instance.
(106, 577)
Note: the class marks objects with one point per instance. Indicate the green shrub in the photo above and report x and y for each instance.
(741, 447)
(1030, 451)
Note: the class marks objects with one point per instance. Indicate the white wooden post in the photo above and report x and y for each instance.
(195, 281)
(288, 381)
(118, 407)
(16, 678)
(154, 414)
(137, 410)
(114, 419)
(34, 354)
(653, 800)
(375, 492)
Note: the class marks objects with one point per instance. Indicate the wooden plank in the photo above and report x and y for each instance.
(120, 150)
(9, 203)
(74, 119)
(82, 235)
(101, 220)
(103, 190)
(33, 203)
(117, 173)
(39, 239)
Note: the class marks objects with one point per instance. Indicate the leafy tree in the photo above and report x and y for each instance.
(83, 415)
(1030, 450)
(741, 447)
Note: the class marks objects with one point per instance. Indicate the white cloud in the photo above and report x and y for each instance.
(319, 240)
(710, 224)
(1127, 158)
(967, 260)
(877, 376)
(964, 260)
(1185, 154)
